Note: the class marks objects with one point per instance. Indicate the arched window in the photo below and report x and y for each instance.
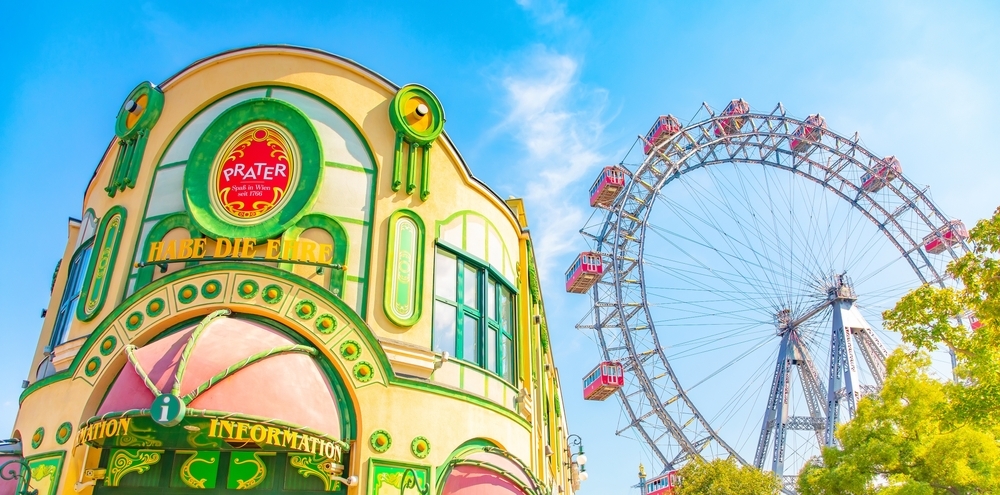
(74, 280)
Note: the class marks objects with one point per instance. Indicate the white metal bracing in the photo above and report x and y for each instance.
(658, 407)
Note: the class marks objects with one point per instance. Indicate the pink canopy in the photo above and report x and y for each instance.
(9, 487)
(288, 387)
(473, 479)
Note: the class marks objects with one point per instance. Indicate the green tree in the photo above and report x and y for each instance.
(725, 477)
(920, 435)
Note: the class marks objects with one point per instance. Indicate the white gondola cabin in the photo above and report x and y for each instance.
(807, 134)
(663, 484)
(732, 124)
(664, 128)
(950, 234)
(584, 273)
(608, 186)
(603, 380)
(888, 169)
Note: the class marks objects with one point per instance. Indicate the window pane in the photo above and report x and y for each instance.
(444, 328)
(491, 299)
(471, 289)
(70, 296)
(507, 363)
(505, 310)
(491, 349)
(470, 337)
(445, 275)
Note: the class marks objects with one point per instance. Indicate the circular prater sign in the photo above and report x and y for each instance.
(254, 170)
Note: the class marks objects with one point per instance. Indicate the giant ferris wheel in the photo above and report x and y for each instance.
(738, 269)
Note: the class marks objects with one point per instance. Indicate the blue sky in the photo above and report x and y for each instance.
(539, 94)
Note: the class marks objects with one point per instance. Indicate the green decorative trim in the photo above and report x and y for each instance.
(305, 309)
(402, 297)
(380, 441)
(460, 457)
(198, 180)
(326, 324)
(155, 307)
(387, 476)
(108, 345)
(420, 447)
(352, 168)
(310, 465)
(247, 289)
(189, 346)
(150, 114)
(37, 438)
(363, 371)
(211, 289)
(350, 350)
(134, 321)
(146, 102)
(341, 307)
(222, 375)
(247, 470)
(400, 119)
(102, 262)
(125, 461)
(55, 274)
(341, 245)
(272, 294)
(48, 465)
(200, 470)
(156, 234)
(64, 432)
(404, 117)
(93, 365)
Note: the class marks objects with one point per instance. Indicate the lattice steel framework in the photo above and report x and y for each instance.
(653, 398)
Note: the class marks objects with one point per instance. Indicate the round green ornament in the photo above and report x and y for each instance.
(380, 441)
(420, 447)
(417, 113)
(37, 438)
(63, 433)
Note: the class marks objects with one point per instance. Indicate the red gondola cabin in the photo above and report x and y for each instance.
(663, 484)
(807, 134)
(603, 381)
(584, 273)
(607, 186)
(952, 233)
(732, 125)
(974, 322)
(665, 127)
(888, 169)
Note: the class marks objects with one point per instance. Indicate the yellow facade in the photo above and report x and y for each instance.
(408, 390)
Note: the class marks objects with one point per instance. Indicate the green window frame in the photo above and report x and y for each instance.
(474, 313)
(71, 293)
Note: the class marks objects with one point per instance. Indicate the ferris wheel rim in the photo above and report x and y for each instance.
(617, 211)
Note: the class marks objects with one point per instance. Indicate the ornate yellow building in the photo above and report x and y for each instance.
(286, 279)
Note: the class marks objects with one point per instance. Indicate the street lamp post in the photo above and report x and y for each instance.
(23, 475)
(574, 440)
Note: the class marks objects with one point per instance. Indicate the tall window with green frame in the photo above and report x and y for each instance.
(473, 314)
(74, 280)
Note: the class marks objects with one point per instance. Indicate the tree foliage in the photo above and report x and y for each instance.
(725, 477)
(921, 435)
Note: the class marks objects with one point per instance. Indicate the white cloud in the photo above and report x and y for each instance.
(545, 11)
(558, 122)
